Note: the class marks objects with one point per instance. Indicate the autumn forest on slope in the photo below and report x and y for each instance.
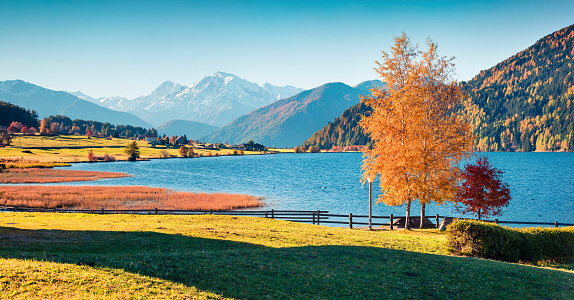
(522, 104)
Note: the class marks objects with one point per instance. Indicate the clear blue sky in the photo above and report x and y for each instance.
(127, 48)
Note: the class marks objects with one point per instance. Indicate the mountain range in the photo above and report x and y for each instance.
(48, 102)
(216, 100)
(524, 103)
(289, 122)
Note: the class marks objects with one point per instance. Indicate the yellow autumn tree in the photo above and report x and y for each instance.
(418, 137)
(44, 127)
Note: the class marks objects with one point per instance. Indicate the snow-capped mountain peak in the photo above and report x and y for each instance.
(217, 100)
(166, 88)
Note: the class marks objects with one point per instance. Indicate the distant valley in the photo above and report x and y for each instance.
(193, 130)
(289, 122)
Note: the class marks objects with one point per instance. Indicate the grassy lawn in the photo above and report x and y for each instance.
(282, 150)
(59, 148)
(203, 257)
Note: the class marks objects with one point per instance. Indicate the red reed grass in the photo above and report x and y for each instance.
(120, 197)
(37, 175)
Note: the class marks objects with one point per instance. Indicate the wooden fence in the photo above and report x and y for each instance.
(316, 217)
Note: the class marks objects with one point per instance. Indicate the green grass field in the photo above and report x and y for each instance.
(59, 148)
(205, 257)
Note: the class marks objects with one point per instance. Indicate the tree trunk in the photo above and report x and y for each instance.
(407, 225)
(422, 222)
(479, 214)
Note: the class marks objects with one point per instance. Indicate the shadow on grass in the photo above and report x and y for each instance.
(249, 271)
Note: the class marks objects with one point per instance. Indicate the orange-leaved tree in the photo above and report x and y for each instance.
(184, 151)
(418, 137)
(44, 127)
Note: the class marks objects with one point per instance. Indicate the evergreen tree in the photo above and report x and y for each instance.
(132, 150)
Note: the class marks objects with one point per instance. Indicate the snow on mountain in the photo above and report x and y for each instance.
(116, 103)
(82, 96)
(215, 100)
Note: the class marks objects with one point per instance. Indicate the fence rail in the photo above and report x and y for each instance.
(316, 217)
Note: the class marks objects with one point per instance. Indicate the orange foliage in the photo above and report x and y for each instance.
(418, 137)
(120, 197)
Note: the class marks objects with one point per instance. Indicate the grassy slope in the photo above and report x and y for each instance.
(246, 258)
(62, 153)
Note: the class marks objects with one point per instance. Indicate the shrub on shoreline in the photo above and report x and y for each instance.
(163, 154)
(491, 241)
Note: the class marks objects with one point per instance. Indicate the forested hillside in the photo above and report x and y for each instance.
(525, 102)
(10, 112)
(79, 126)
(343, 131)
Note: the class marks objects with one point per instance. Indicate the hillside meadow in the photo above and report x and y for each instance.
(80, 256)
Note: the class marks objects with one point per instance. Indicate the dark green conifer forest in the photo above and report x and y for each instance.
(12, 113)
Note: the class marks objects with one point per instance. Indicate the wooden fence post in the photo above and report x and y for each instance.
(556, 224)
(391, 222)
(272, 214)
(437, 221)
(318, 217)
(351, 221)
(102, 210)
(313, 213)
(156, 210)
(496, 221)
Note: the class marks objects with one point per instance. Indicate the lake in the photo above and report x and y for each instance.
(541, 184)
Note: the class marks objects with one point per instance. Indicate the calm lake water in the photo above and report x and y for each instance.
(541, 184)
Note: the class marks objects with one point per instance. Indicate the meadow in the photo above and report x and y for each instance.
(80, 256)
(119, 197)
(75, 148)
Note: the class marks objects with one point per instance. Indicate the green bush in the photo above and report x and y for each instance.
(491, 241)
(550, 244)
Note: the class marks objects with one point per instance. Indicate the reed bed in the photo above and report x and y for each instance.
(19, 163)
(41, 175)
(120, 197)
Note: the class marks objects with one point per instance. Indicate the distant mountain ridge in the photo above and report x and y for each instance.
(48, 102)
(344, 130)
(216, 100)
(289, 122)
(193, 130)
